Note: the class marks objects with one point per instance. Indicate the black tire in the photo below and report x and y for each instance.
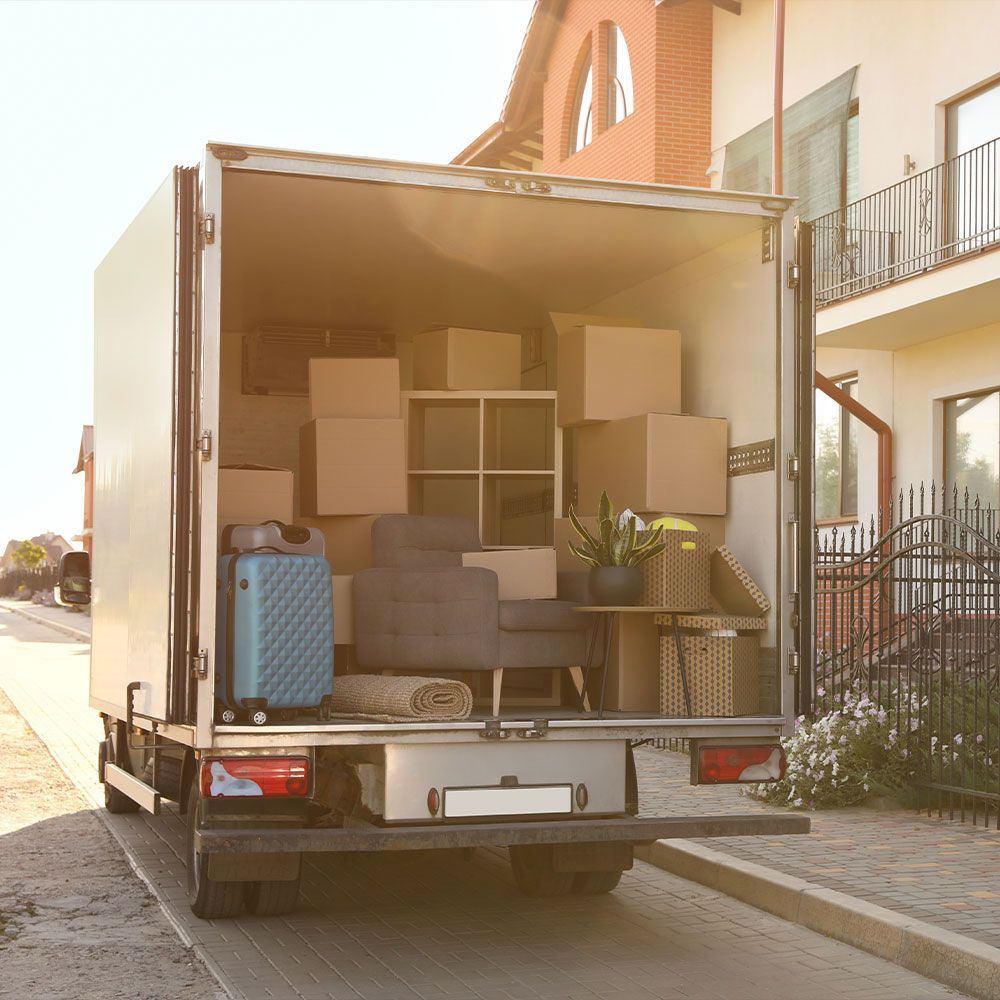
(271, 899)
(209, 898)
(631, 784)
(595, 883)
(534, 874)
(114, 801)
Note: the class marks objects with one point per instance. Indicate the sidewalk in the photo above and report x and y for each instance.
(940, 871)
(71, 623)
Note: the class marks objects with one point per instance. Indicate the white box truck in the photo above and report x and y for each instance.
(254, 239)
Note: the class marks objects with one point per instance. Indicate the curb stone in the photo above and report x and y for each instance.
(951, 959)
(74, 633)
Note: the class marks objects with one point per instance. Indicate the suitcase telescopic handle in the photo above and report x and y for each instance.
(294, 534)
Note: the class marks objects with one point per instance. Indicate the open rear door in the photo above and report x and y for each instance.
(144, 331)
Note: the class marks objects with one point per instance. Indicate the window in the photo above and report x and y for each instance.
(620, 95)
(972, 447)
(582, 122)
(973, 120)
(836, 455)
(852, 175)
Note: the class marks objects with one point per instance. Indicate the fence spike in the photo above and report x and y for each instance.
(921, 497)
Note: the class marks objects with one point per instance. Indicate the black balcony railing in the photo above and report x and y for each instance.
(929, 219)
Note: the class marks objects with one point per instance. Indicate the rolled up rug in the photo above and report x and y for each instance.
(400, 699)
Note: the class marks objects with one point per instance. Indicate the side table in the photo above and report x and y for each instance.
(608, 616)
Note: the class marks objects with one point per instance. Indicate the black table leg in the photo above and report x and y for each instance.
(590, 659)
(680, 664)
(612, 617)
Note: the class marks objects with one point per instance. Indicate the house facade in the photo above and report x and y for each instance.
(891, 124)
(55, 548)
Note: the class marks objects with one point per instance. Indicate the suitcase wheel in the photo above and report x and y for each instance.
(228, 716)
(258, 717)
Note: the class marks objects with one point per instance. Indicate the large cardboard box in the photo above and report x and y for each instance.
(250, 494)
(679, 576)
(456, 358)
(352, 466)
(563, 532)
(657, 461)
(353, 387)
(633, 670)
(524, 574)
(348, 541)
(343, 610)
(610, 372)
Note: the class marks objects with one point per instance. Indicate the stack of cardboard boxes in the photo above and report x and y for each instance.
(620, 389)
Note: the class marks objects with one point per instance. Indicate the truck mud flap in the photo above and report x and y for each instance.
(419, 838)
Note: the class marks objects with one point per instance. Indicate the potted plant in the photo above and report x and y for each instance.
(615, 554)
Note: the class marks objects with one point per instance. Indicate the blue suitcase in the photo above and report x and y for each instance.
(274, 635)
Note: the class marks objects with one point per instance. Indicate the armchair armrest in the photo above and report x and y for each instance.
(437, 619)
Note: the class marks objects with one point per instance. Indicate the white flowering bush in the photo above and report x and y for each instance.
(844, 756)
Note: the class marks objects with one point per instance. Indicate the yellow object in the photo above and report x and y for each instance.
(669, 523)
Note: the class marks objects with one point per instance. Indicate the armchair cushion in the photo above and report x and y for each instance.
(410, 541)
(541, 616)
(443, 618)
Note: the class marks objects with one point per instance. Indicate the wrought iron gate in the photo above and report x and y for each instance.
(907, 611)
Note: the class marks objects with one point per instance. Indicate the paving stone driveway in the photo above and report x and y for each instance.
(392, 927)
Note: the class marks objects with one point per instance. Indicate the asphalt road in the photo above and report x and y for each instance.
(433, 926)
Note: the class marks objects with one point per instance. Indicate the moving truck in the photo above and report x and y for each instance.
(259, 250)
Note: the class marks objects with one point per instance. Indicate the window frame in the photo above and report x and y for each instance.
(582, 81)
(610, 28)
(948, 474)
(844, 516)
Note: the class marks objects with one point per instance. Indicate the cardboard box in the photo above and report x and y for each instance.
(343, 610)
(353, 387)
(524, 574)
(563, 322)
(733, 588)
(250, 494)
(610, 372)
(633, 671)
(656, 461)
(722, 675)
(348, 540)
(349, 465)
(454, 358)
(679, 576)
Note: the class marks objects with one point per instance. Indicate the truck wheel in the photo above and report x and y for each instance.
(534, 873)
(595, 883)
(114, 801)
(209, 898)
(271, 899)
(168, 778)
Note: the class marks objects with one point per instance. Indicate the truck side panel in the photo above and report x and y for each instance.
(134, 326)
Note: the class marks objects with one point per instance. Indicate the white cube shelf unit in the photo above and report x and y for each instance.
(493, 456)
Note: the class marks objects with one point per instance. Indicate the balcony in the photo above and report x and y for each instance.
(885, 265)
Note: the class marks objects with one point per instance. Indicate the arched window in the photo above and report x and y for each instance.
(581, 129)
(620, 95)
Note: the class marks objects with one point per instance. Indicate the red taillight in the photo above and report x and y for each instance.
(255, 776)
(725, 765)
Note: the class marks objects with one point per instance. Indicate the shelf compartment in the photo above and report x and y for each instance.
(519, 434)
(445, 495)
(518, 508)
(444, 434)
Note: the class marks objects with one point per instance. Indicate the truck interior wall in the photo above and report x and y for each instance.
(723, 302)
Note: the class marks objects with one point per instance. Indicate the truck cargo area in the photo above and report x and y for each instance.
(355, 266)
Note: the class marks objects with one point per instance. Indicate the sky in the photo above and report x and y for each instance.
(98, 101)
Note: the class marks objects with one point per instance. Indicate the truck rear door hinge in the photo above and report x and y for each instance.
(199, 664)
(793, 466)
(793, 662)
(792, 278)
(204, 445)
(207, 227)
(767, 243)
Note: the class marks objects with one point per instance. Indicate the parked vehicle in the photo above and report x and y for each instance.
(256, 237)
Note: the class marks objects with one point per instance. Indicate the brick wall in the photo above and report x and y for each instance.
(667, 138)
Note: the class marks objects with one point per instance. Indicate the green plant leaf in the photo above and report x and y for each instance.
(583, 555)
(640, 556)
(581, 530)
(604, 510)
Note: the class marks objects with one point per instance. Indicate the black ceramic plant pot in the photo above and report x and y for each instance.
(616, 586)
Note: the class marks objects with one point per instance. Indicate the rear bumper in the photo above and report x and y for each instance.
(640, 830)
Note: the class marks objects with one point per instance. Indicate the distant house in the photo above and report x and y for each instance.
(85, 464)
(54, 545)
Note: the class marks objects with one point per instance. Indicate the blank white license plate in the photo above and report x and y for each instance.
(527, 800)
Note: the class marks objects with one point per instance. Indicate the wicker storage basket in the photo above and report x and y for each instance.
(680, 576)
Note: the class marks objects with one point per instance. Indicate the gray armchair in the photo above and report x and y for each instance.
(420, 609)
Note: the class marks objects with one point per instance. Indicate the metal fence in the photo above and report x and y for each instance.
(907, 611)
(929, 219)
